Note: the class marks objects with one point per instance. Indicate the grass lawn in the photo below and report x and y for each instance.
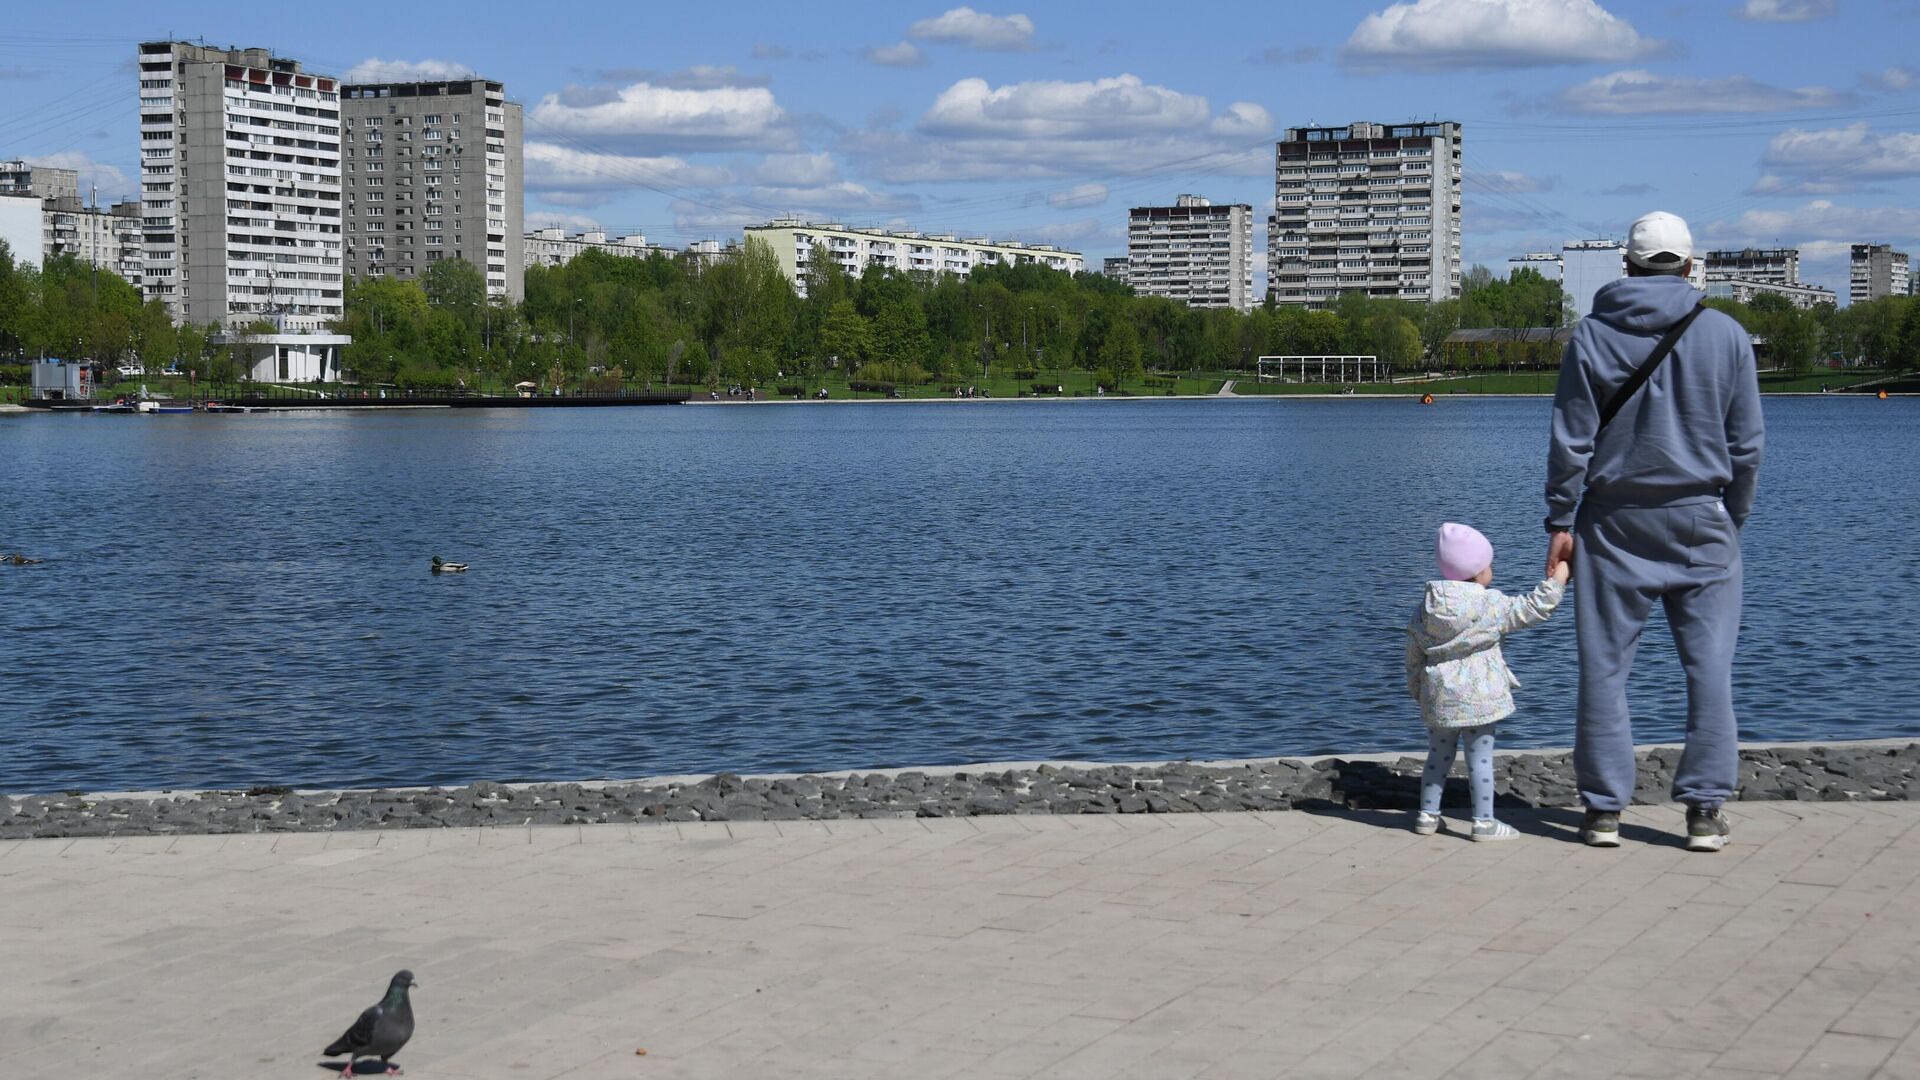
(1786, 382)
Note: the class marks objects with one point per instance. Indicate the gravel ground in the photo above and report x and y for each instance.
(1832, 773)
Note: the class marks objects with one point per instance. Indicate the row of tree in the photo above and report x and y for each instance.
(678, 319)
(681, 319)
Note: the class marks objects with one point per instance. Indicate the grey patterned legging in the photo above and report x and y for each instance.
(1441, 746)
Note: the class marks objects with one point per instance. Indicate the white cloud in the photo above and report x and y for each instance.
(1844, 154)
(904, 54)
(552, 168)
(1047, 129)
(764, 51)
(696, 77)
(1771, 184)
(551, 219)
(796, 170)
(375, 70)
(1078, 195)
(1509, 182)
(1892, 80)
(1070, 234)
(977, 30)
(1492, 34)
(1787, 10)
(1640, 92)
(664, 117)
(109, 179)
(1821, 220)
(831, 199)
(1056, 110)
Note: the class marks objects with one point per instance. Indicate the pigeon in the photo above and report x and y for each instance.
(382, 1030)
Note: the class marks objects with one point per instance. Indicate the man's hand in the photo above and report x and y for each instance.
(1559, 550)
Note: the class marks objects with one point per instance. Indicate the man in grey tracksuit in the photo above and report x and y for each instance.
(1649, 507)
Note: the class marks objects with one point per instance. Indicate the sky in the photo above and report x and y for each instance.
(1770, 122)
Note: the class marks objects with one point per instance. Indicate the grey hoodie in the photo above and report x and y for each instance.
(1693, 432)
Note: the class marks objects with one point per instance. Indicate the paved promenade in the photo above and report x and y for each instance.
(1165, 946)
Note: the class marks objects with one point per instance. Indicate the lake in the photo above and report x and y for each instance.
(239, 600)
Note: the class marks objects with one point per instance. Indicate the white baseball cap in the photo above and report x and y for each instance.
(1659, 241)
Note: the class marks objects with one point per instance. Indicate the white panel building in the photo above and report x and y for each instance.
(105, 239)
(1372, 208)
(20, 228)
(557, 247)
(794, 243)
(1590, 264)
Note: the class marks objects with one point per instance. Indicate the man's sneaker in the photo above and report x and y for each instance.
(1426, 824)
(1707, 830)
(1601, 828)
(1493, 829)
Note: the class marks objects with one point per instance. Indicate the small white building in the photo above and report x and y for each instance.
(286, 355)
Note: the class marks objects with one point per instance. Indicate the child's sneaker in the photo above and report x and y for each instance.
(1707, 830)
(1493, 829)
(1426, 824)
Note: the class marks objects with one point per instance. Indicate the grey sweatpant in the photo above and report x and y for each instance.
(1686, 556)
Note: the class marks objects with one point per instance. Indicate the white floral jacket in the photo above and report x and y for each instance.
(1454, 666)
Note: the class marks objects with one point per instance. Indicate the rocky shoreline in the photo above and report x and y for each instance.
(1836, 772)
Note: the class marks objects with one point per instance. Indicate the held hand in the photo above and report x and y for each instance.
(1560, 573)
(1559, 550)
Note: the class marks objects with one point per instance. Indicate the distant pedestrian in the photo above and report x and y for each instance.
(1455, 670)
(1656, 441)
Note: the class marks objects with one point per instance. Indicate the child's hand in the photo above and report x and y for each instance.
(1561, 571)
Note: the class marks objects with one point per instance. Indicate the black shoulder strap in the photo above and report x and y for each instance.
(1654, 359)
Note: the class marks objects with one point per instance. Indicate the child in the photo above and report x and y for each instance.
(1456, 672)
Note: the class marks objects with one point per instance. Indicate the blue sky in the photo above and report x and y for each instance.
(1763, 121)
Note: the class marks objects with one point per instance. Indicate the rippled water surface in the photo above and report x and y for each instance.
(245, 599)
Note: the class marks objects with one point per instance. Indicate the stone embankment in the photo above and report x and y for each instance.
(1840, 772)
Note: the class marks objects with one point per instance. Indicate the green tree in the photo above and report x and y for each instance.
(846, 335)
(457, 287)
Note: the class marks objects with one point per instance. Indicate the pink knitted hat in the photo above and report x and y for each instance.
(1462, 552)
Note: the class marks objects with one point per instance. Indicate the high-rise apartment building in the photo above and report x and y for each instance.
(1876, 270)
(1193, 251)
(18, 177)
(240, 187)
(1114, 268)
(1371, 208)
(433, 171)
(1768, 266)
